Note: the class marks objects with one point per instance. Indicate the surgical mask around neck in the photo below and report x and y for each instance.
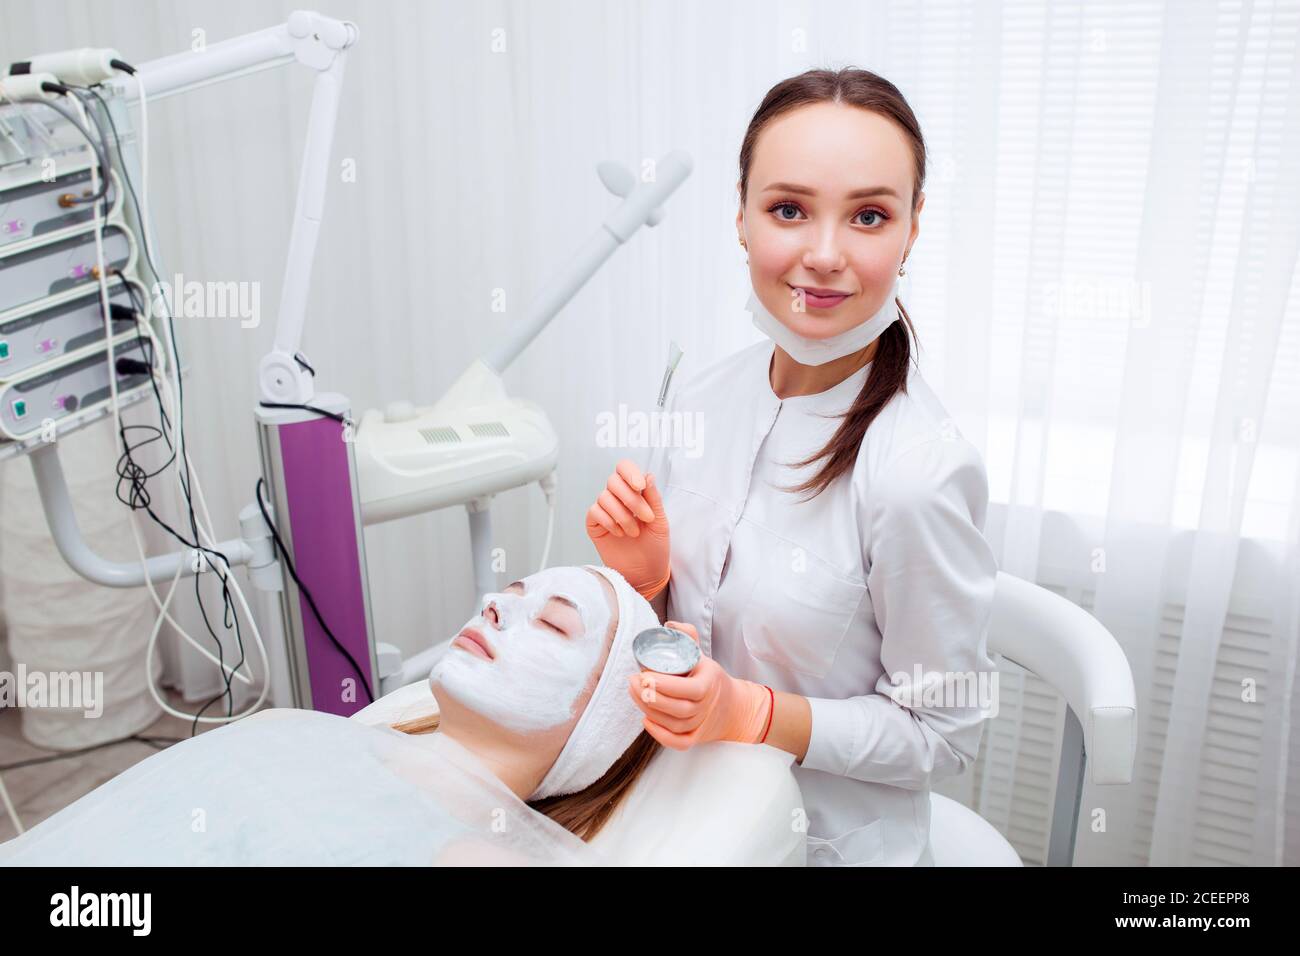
(809, 351)
(537, 673)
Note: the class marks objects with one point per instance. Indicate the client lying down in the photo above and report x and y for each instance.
(536, 742)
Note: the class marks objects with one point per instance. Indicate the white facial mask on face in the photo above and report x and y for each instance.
(808, 351)
(538, 673)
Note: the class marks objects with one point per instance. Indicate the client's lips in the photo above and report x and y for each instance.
(472, 640)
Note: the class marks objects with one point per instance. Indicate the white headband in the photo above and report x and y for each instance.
(611, 720)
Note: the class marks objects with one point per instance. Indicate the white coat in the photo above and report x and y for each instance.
(885, 571)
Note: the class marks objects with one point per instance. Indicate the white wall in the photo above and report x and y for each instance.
(475, 171)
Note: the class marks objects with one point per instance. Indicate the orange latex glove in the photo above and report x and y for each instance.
(706, 704)
(629, 528)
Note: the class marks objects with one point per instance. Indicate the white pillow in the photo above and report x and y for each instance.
(407, 702)
(717, 804)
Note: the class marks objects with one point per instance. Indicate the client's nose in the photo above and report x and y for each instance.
(494, 615)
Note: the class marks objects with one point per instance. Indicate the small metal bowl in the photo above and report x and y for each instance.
(666, 650)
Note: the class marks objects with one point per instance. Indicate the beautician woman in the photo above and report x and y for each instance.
(826, 548)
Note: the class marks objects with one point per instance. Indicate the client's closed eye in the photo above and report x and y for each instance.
(562, 617)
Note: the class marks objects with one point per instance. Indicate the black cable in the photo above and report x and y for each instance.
(341, 419)
(133, 472)
(141, 312)
(311, 602)
(137, 476)
(183, 471)
(171, 324)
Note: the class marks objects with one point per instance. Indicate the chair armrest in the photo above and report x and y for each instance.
(1068, 648)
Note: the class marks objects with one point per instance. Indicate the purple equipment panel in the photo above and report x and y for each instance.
(318, 490)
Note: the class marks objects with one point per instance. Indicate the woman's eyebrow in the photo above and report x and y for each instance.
(856, 194)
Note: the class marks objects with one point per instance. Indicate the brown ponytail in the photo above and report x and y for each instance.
(889, 368)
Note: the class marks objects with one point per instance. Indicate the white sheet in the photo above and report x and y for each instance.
(300, 787)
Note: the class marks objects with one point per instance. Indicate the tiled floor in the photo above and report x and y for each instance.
(43, 789)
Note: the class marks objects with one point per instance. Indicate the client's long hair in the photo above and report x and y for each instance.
(583, 813)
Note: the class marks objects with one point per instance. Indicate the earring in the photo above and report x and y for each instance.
(901, 270)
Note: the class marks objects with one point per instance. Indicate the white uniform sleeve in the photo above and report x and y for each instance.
(931, 581)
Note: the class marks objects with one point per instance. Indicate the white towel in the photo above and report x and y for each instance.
(611, 720)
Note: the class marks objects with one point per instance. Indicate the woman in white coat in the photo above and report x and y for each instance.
(826, 543)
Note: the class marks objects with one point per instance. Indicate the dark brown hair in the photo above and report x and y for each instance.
(889, 368)
(585, 812)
